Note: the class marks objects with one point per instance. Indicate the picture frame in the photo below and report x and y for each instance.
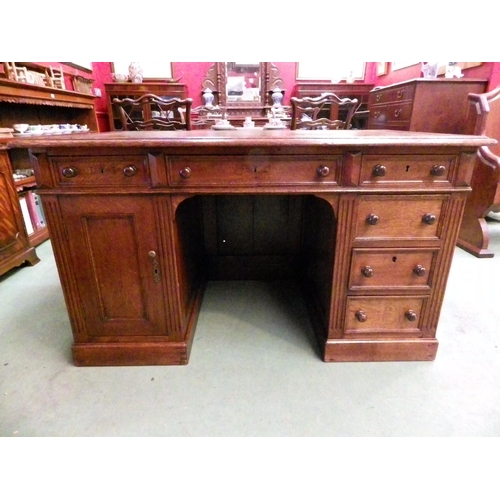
(381, 68)
(329, 70)
(150, 70)
(400, 65)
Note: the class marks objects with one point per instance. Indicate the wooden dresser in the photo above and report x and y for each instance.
(31, 104)
(365, 221)
(423, 105)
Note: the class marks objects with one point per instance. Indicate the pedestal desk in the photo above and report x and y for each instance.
(365, 221)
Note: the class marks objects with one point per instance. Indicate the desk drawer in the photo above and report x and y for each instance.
(105, 171)
(392, 268)
(254, 170)
(399, 94)
(384, 315)
(377, 169)
(399, 217)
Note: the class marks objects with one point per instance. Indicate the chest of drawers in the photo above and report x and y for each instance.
(365, 221)
(426, 105)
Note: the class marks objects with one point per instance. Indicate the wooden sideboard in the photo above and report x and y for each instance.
(423, 105)
(365, 221)
(135, 90)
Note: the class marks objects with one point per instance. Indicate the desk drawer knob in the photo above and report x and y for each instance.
(367, 271)
(361, 316)
(70, 172)
(379, 170)
(438, 170)
(323, 171)
(411, 315)
(129, 171)
(185, 173)
(429, 219)
(397, 113)
(400, 93)
(372, 219)
(419, 270)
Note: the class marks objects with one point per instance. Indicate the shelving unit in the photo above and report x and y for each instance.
(22, 102)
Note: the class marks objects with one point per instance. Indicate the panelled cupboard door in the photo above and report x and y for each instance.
(116, 258)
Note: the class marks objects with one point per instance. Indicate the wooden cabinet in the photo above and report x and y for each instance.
(364, 221)
(135, 90)
(32, 104)
(424, 105)
(15, 245)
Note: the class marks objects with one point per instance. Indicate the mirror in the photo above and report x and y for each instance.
(243, 89)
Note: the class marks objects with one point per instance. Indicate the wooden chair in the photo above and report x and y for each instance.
(325, 112)
(55, 78)
(484, 119)
(150, 112)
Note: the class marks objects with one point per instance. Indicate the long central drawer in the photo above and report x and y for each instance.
(253, 170)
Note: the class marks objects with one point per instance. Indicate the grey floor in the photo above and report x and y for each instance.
(254, 369)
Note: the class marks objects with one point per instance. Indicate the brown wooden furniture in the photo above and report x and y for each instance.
(484, 119)
(28, 103)
(135, 90)
(150, 112)
(424, 105)
(307, 112)
(266, 79)
(359, 91)
(15, 245)
(365, 221)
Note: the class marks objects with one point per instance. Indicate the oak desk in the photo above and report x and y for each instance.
(366, 222)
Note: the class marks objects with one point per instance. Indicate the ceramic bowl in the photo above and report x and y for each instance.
(119, 77)
(20, 127)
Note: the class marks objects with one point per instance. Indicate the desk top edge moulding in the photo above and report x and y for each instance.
(364, 221)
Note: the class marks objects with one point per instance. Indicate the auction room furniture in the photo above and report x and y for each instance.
(116, 90)
(484, 117)
(359, 91)
(22, 102)
(365, 221)
(423, 104)
(243, 89)
(307, 112)
(150, 112)
(15, 245)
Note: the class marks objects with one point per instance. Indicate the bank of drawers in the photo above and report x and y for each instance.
(391, 107)
(396, 246)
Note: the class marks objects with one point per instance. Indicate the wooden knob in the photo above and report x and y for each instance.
(411, 315)
(361, 316)
(419, 270)
(438, 170)
(429, 219)
(185, 173)
(372, 219)
(130, 170)
(379, 170)
(70, 172)
(367, 271)
(323, 170)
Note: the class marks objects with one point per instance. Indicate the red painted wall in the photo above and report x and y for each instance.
(193, 73)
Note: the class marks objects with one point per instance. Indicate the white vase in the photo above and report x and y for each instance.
(135, 72)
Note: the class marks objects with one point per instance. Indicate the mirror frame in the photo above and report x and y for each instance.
(216, 80)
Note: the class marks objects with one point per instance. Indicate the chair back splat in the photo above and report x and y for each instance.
(325, 112)
(151, 112)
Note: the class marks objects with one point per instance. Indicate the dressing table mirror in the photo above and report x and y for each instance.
(242, 89)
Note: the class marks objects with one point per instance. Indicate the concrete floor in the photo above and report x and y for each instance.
(254, 369)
